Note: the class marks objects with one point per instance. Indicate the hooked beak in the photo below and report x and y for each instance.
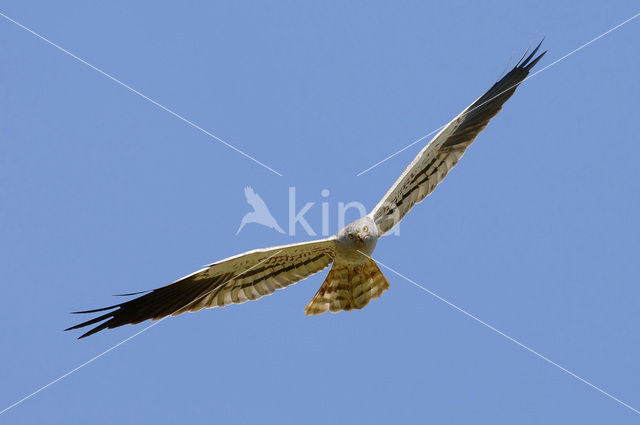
(359, 235)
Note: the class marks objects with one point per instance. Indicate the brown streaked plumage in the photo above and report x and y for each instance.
(232, 281)
(348, 287)
(354, 279)
(443, 152)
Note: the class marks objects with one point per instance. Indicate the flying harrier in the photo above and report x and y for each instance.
(354, 278)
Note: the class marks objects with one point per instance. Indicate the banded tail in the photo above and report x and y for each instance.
(348, 286)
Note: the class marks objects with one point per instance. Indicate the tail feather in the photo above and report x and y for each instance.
(348, 287)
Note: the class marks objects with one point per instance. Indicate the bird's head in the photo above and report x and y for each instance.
(360, 235)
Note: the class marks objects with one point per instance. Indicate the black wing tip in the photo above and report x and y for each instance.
(90, 331)
(535, 61)
(96, 310)
(530, 60)
(108, 317)
(130, 294)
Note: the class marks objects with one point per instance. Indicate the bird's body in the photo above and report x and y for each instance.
(354, 278)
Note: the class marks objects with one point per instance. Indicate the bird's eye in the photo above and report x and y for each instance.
(365, 228)
(350, 235)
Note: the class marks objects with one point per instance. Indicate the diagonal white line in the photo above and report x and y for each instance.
(530, 76)
(91, 360)
(499, 332)
(79, 367)
(109, 76)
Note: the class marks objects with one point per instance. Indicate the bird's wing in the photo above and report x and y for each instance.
(237, 279)
(254, 200)
(442, 153)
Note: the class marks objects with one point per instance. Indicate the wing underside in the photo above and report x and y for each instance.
(443, 152)
(234, 280)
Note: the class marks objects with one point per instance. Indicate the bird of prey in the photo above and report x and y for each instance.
(260, 213)
(354, 279)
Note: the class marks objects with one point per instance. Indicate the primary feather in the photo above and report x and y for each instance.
(235, 280)
(355, 278)
(444, 151)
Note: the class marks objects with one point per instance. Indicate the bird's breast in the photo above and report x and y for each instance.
(354, 252)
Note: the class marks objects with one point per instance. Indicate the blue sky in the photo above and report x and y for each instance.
(535, 232)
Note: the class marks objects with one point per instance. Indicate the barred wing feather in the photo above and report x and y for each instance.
(444, 151)
(235, 280)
